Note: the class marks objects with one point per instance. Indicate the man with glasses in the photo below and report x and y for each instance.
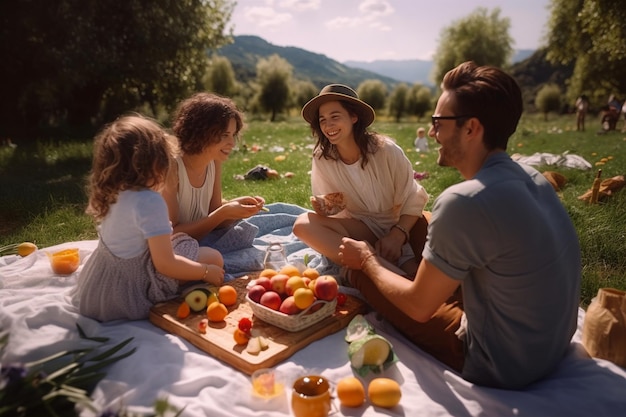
(496, 295)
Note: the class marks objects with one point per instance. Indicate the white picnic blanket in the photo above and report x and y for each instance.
(35, 310)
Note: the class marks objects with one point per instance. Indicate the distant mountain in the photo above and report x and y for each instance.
(415, 71)
(245, 52)
(529, 67)
(521, 54)
(412, 71)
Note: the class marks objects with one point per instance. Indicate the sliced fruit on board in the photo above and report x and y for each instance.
(371, 350)
(197, 300)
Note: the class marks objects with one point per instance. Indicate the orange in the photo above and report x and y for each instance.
(290, 270)
(241, 338)
(227, 295)
(64, 262)
(183, 310)
(268, 272)
(350, 392)
(216, 312)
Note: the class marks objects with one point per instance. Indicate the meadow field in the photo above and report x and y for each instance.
(42, 183)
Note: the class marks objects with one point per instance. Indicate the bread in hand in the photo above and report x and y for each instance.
(328, 204)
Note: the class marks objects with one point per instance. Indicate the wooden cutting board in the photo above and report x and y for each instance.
(218, 340)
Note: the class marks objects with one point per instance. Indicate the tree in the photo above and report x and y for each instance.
(548, 99)
(590, 34)
(480, 37)
(419, 100)
(303, 92)
(373, 92)
(220, 77)
(273, 79)
(81, 62)
(398, 101)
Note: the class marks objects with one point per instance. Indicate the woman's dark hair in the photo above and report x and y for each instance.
(366, 141)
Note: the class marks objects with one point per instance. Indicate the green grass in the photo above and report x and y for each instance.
(42, 196)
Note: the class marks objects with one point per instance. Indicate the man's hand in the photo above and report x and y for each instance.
(353, 252)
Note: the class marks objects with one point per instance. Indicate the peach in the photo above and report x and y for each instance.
(279, 282)
(288, 306)
(265, 282)
(326, 288)
(271, 299)
(310, 273)
(255, 292)
(304, 297)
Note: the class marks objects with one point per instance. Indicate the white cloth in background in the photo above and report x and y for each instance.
(562, 160)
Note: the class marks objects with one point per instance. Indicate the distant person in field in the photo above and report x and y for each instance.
(138, 262)
(497, 292)
(207, 127)
(421, 141)
(582, 107)
(624, 116)
(367, 180)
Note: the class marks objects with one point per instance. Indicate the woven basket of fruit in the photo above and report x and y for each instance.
(316, 312)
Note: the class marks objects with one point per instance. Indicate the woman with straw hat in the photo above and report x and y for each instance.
(369, 178)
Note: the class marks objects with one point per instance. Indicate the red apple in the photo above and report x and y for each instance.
(264, 282)
(279, 282)
(326, 288)
(255, 292)
(271, 299)
(293, 283)
(288, 306)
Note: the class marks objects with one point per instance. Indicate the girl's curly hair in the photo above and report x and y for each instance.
(131, 153)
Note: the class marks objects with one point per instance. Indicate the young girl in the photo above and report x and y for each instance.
(207, 126)
(137, 262)
(383, 202)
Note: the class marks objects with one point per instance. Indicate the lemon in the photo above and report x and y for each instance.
(26, 248)
(384, 392)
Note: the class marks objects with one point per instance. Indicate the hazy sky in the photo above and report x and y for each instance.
(368, 30)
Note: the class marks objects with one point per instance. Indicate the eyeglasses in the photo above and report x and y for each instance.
(435, 119)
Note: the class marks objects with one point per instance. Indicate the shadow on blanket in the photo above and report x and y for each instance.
(243, 245)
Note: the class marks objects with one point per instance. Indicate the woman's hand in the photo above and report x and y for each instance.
(242, 207)
(390, 246)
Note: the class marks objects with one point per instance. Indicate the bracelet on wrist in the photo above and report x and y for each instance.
(369, 255)
(403, 230)
(206, 272)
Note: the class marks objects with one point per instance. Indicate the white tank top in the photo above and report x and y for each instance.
(193, 203)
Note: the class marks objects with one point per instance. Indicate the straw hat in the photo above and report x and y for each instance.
(334, 92)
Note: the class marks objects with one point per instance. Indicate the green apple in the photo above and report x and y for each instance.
(197, 300)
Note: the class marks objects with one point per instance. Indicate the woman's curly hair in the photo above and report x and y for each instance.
(201, 120)
(131, 153)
